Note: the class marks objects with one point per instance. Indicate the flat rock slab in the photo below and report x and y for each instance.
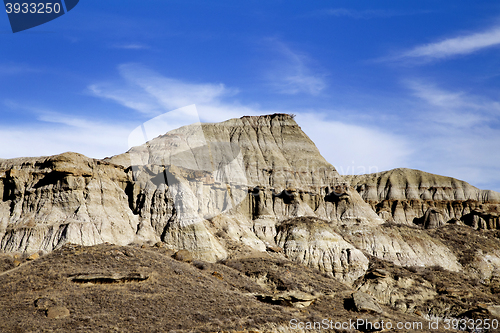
(57, 312)
(34, 256)
(293, 298)
(109, 278)
(365, 303)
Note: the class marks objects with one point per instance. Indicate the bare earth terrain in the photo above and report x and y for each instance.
(109, 288)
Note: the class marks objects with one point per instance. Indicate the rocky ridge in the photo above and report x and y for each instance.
(255, 186)
(412, 197)
(237, 186)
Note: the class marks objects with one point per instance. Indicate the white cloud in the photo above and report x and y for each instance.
(456, 134)
(126, 96)
(453, 133)
(450, 134)
(137, 88)
(58, 133)
(436, 96)
(355, 149)
(291, 73)
(454, 46)
(130, 46)
(455, 108)
(360, 14)
(14, 69)
(148, 92)
(351, 148)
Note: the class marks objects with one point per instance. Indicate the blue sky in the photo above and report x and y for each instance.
(376, 84)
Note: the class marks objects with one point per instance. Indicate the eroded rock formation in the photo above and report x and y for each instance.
(314, 243)
(412, 197)
(241, 186)
(50, 201)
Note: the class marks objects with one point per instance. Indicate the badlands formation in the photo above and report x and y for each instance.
(248, 193)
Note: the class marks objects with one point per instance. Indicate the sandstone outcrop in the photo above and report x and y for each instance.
(240, 178)
(312, 242)
(365, 303)
(243, 185)
(402, 291)
(415, 197)
(402, 245)
(57, 312)
(50, 201)
(241, 204)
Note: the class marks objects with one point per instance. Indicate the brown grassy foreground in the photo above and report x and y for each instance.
(109, 288)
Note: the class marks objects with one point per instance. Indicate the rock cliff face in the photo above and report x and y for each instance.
(314, 243)
(415, 197)
(49, 201)
(238, 178)
(268, 157)
(240, 186)
(255, 196)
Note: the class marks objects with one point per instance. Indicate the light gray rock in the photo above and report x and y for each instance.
(411, 197)
(402, 292)
(207, 187)
(240, 177)
(63, 198)
(312, 242)
(432, 219)
(402, 245)
(268, 157)
(365, 303)
(410, 184)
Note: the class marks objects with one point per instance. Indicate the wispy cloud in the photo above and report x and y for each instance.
(150, 93)
(292, 73)
(456, 134)
(453, 100)
(54, 133)
(453, 133)
(144, 90)
(360, 14)
(13, 69)
(130, 46)
(455, 46)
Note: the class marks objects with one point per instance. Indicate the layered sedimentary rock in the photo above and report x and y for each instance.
(238, 178)
(247, 184)
(402, 245)
(268, 157)
(314, 243)
(415, 197)
(49, 201)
